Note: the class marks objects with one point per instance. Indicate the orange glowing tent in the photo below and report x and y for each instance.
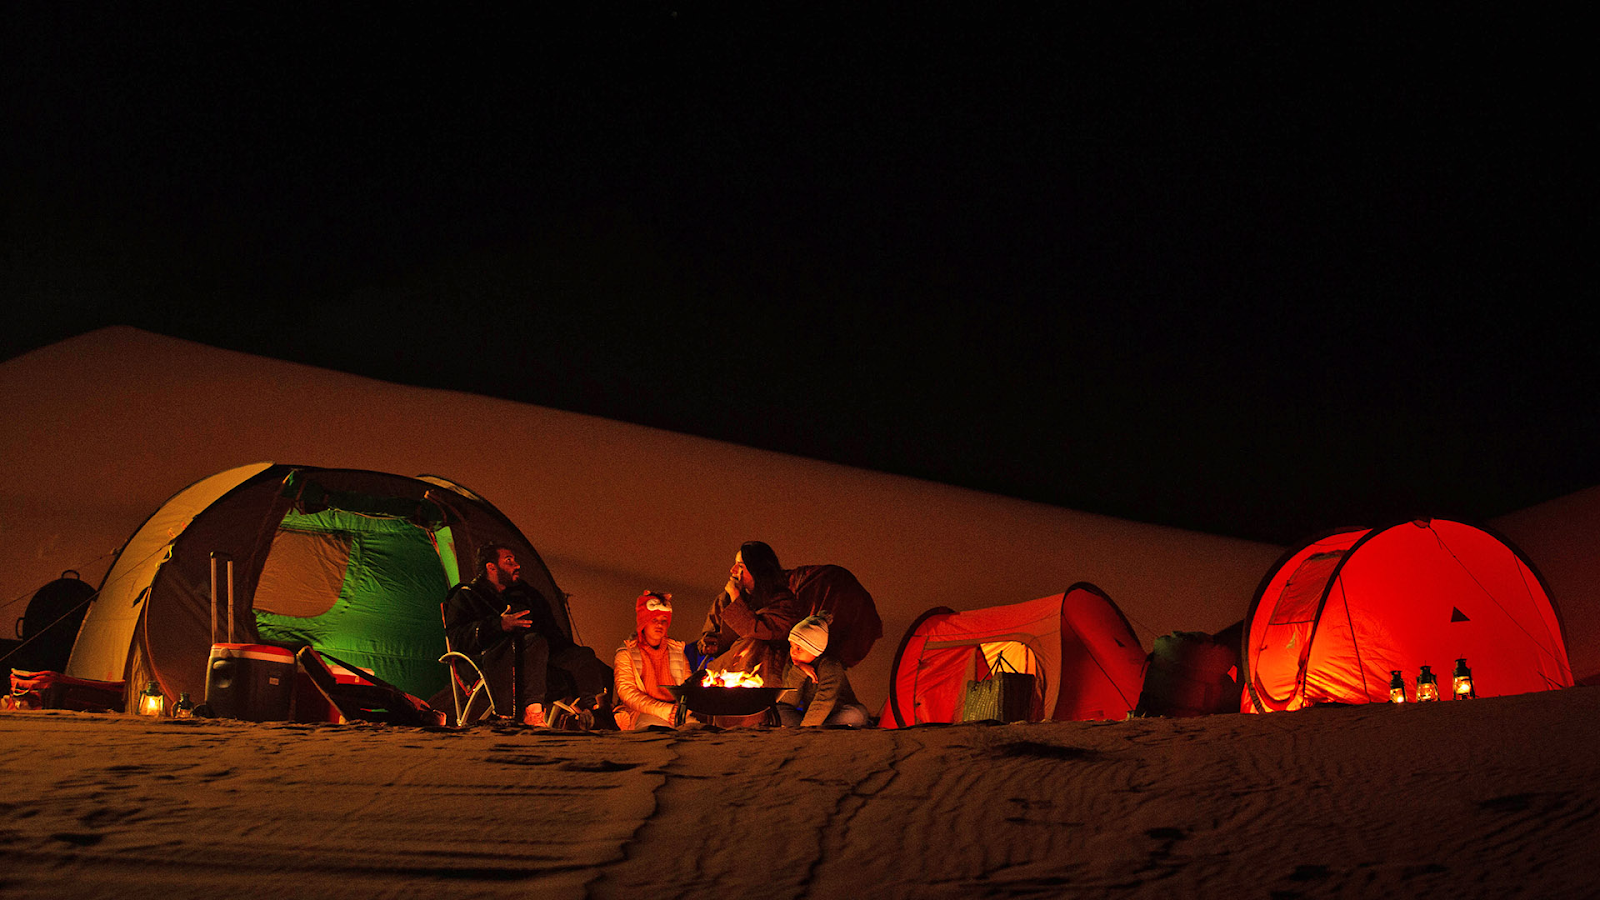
(1079, 647)
(1336, 617)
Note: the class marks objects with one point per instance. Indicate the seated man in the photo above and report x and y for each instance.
(816, 689)
(646, 664)
(506, 625)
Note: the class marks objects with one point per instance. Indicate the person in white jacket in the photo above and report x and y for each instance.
(646, 663)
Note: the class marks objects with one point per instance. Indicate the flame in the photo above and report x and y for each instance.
(732, 679)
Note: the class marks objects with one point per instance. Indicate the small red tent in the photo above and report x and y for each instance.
(1335, 617)
(1080, 648)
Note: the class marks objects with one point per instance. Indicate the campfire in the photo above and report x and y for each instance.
(733, 679)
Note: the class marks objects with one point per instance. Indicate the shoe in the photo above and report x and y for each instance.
(533, 715)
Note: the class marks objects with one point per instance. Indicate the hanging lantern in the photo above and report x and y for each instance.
(1397, 687)
(184, 708)
(1427, 686)
(152, 702)
(1463, 681)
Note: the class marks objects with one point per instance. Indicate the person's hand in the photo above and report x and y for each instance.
(708, 646)
(511, 621)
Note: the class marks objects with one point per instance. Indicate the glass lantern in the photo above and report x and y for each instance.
(1397, 687)
(152, 702)
(1464, 689)
(1427, 686)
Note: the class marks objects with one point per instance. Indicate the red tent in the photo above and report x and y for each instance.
(1080, 648)
(1336, 617)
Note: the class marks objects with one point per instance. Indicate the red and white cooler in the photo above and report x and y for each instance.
(253, 682)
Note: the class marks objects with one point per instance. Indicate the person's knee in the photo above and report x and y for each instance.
(535, 648)
(851, 715)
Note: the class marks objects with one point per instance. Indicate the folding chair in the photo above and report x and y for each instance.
(469, 690)
(369, 699)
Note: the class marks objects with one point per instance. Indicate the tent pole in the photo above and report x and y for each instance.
(213, 597)
(230, 600)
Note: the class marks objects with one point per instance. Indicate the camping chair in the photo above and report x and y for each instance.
(469, 690)
(369, 698)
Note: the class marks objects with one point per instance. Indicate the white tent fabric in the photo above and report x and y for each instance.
(108, 628)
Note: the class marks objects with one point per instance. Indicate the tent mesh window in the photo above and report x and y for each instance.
(303, 574)
(1298, 601)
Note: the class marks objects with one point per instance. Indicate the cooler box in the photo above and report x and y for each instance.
(253, 682)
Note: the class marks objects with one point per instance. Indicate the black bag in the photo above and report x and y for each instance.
(1002, 697)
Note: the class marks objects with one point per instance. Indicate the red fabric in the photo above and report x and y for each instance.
(1420, 593)
(53, 690)
(654, 661)
(1275, 675)
(1087, 661)
(940, 683)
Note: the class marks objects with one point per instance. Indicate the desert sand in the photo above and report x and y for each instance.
(1486, 798)
(1491, 798)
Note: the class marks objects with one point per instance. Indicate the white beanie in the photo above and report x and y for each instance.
(812, 633)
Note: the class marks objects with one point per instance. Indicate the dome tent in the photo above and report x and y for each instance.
(1079, 646)
(354, 563)
(1335, 617)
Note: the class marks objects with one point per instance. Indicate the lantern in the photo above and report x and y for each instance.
(1397, 687)
(152, 702)
(1427, 686)
(1463, 681)
(184, 708)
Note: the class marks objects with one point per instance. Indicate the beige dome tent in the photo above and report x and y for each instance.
(353, 563)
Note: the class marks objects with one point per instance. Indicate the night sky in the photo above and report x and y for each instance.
(1252, 272)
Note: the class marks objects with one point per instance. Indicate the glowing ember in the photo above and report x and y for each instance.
(732, 679)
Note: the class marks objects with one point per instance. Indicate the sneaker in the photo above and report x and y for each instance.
(533, 715)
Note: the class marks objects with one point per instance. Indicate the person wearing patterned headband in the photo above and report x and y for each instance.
(646, 664)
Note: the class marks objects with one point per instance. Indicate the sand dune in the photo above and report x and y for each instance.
(1560, 537)
(1492, 798)
(104, 427)
(1443, 800)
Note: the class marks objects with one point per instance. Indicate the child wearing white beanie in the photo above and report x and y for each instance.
(816, 689)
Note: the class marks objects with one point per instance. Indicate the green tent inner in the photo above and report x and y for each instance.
(364, 588)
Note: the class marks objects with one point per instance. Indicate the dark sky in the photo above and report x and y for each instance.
(1245, 271)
